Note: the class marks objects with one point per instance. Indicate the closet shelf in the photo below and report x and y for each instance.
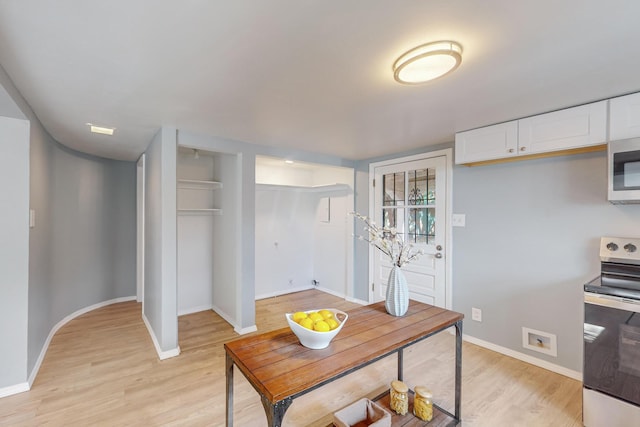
(193, 212)
(196, 184)
(309, 189)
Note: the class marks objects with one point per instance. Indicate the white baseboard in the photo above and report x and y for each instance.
(229, 320)
(283, 292)
(192, 310)
(63, 322)
(244, 331)
(525, 358)
(357, 301)
(331, 292)
(162, 355)
(14, 389)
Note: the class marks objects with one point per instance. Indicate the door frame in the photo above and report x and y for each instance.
(448, 238)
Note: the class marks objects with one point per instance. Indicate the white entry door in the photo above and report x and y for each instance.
(412, 197)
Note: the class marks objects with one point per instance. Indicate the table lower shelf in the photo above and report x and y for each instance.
(440, 418)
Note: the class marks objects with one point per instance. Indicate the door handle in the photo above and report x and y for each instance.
(438, 255)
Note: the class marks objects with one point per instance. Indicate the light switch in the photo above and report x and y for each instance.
(458, 220)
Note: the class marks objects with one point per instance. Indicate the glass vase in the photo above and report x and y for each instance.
(397, 298)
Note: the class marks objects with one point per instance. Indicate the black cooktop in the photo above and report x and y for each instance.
(614, 287)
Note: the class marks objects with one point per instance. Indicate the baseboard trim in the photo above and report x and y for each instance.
(282, 292)
(525, 358)
(14, 389)
(229, 320)
(162, 355)
(195, 310)
(331, 292)
(60, 324)
(244, 331)
(357, 301)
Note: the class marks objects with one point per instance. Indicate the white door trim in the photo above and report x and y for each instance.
(448, 154)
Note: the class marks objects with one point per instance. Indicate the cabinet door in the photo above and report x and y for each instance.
(624, 117)
(565, 129)
(487, 143)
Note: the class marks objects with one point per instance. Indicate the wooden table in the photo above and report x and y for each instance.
(280, 369)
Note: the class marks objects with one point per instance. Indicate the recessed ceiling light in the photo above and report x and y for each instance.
(427, 62)
(289, 162)
(100, 129)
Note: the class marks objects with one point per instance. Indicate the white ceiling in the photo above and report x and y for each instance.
(307, 74)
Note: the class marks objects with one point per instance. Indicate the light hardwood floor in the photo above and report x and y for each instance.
(102, 370)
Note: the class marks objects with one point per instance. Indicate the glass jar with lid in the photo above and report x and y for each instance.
(399, 397)
(423, 403)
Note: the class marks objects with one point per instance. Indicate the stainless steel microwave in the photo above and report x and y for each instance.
(624, 171)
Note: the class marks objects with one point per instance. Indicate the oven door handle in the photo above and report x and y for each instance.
(612, 302)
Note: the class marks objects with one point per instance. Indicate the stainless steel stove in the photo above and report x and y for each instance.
(611, 394)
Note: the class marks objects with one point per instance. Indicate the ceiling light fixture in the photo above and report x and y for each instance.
(100, 129)
(289, 162)
(427, 62)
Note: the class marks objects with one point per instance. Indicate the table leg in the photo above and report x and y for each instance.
(275, 412)
(458, 380)
(400, 365)
(229, 376)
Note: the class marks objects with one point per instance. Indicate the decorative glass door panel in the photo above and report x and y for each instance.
(399, 197)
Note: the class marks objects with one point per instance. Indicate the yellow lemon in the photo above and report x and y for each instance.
(321, 326)
(298, 316)
(333, 323)
(326, 314)
(315, 316)
(307, 323)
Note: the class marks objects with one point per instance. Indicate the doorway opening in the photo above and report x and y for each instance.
(303, 230)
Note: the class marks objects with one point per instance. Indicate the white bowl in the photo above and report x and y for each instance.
(313, 339)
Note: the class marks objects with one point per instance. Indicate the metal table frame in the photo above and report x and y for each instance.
(275, 411)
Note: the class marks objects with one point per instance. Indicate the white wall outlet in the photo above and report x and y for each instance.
(458, 220)
(476, 314)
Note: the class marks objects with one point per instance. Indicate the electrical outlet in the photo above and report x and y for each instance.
(476, 314)
(458, 220)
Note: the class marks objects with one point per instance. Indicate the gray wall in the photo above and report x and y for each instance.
(360, 247)
(160, 287)
(82, 249)
(530, 243)
(14, 250)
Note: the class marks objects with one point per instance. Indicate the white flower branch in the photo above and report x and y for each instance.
(389, 241)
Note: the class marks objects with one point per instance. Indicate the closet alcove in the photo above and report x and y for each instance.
(303, 230)
(206, 207)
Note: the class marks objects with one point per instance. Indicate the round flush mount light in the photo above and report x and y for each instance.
(427, 62)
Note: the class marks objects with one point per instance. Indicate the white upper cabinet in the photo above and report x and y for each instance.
(563, 130)
(568, 129)
(624, 117)
(487, 143)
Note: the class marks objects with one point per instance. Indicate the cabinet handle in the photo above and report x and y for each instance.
(523, 148)
(510, 150)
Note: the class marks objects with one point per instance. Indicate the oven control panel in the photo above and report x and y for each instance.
(620, 249)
